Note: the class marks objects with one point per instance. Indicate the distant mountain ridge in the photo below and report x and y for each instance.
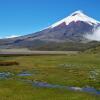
(70, 29)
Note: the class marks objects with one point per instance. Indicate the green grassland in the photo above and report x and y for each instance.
(78, 70)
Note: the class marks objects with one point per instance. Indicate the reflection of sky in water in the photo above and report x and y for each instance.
(25, 74)
(84, 89)
(5, 75)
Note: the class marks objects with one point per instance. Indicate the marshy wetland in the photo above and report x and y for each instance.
(50, 77)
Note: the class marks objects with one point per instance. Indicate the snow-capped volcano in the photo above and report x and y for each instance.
(70, 29)
(76, 16)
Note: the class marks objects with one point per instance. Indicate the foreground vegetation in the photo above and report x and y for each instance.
(16, 90)
(80, 70)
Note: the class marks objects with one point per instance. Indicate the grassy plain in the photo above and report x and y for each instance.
(78, 70)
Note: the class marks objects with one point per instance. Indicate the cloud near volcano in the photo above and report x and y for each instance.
(94, 36)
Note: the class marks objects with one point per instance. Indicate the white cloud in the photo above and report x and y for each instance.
(94, 36)
(12, 36)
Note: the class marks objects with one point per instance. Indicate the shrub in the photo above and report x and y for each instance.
(9, 63)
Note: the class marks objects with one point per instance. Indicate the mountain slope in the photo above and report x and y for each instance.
(70, 29)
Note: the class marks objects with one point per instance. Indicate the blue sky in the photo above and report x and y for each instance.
(20, 17)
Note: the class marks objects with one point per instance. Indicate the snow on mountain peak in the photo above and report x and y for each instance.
(76, 13)
(76, 16)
